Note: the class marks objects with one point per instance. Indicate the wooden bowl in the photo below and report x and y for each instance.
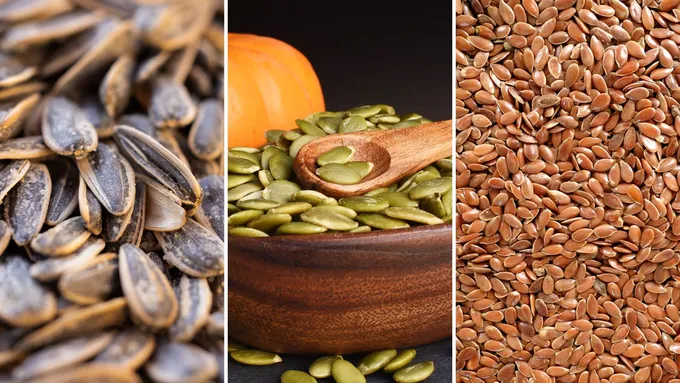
(341, 293)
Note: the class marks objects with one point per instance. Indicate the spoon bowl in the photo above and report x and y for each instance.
(394, 153)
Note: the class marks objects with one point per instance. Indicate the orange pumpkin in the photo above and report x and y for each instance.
(271, 84)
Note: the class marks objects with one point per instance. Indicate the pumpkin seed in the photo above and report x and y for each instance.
(400, 361)
(195, 250)
(338, 155)
(375, 361)
(321, 368)
(148, 292)
(257, 204)
(352, 124)
(295, 376)
(195, 301)
(27, 204)
(255, 357)
(309, 129)
(62, 239)
(247, 232)
(281, 166)
(312, 197)
(92, 281)
(413, 214)
(361, 204)
(363, 168)
(269, 222)
(62, 355)
(339, 174)
(345, 372)
(180, 362)
(129, 348)
(361, 229)
(234, 345)
(328, 219)
(365, 111)
(398, 199)
(347, 212)
(300, 228)
(292, 208)
(238, 192)
(413, 374)
(24, 301)
(299, 142)
(234, 180)
(428, 188)
(380, 221)
(280, 191)
(243, 217)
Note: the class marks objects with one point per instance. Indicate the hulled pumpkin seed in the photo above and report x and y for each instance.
(400, 361)
(310, 129)
(26, 205)
(428, 188)
(380, 221)
(269, 222)
(345, 372)
(398, 199)
(292, 208)
(257, 204)
(247, 232)
(129, 349)
(238, 192)
(296, 376)
(328, 219)
(312, 197)
(339, 174)
(234, 345)
(413, 374)
(413, 214)
(280, 166)
(61, 355)
(243, 217)
(365, 110)
(110, 178)
(321, 368)
(94, 281)
(296, 145)
(361, 229)
(195, 301)
(338, 155)
(300, 228)
(24, 301)
(66, 130)
(195, 250)
(363, 168)
(52, 268)
(255, 357)
(361, 204)
(63, 239)
(375, 361)
(281, 191)
(64, 196)
(180, 362)
(148, 292)
(352, 124)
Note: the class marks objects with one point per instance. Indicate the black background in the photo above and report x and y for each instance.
(364, 52)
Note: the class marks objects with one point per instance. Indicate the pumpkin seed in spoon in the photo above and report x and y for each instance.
(338, 155)
(338, 174)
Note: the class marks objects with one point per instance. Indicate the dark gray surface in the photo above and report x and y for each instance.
(439, 353)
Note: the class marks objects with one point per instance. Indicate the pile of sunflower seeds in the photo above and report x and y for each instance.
(265, 197)
(568, 116)
(336, 166)
(391, 361)
(111, 191)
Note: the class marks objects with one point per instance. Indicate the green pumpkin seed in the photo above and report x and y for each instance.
(240, 165)
(281, 166)
(427, 174)
(257, 204)
(292, 135)
(300, 228)
(384, 119)
(380, 221)
(363, 168)
(269, 222)
(296, 145)
(329, 125)
(265, 177)
(361, 229)
(413, 214)
(434, 205)
(352, 124)
(246, 232)
(365, 111)
(328, 219)
(309, 128)
(414, 374)
(232, 209)
(386, 109)
(410, 116)
(400, 361)
(445, 163)
(292, 208)
(347, 212)
(428, 188)
(362, 204)
(339, 174)
(280, 191)
(345, 372)
(321, 368)
(234, 180)
(268, 153)
(376, 192)
(255, 357)
(295, 376)
(406, 124)
(234, 345)
(398, 199)
(273, 135)
(238, 192)
(447, 201)
(339, 155)
(253, 157)
(375, 361)
(448, 219)
(312, 197)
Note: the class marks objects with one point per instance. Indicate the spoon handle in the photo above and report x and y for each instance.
(408, 146)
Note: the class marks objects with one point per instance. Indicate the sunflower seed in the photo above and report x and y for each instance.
(130, 349)
(195, 301)
(63, 239)
(26, 205)
(110, 178)
(56, 357)
(90, 372)
(13, 114)
(188, 21)
(90, 208)
(11, 174)
(66, 130)
(148, 292)
(179, 362)
(206, 137)
(115, 88)
(24, 148)
(164, 211)
(5, 236)
(171, 105)
(51, 269)
(14, 71)
(64, 197)
(92, 281)
(41, 32)
(132, 233)
(26, 303)
(195, 250)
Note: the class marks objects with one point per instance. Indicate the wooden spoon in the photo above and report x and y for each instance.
(394, 153)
